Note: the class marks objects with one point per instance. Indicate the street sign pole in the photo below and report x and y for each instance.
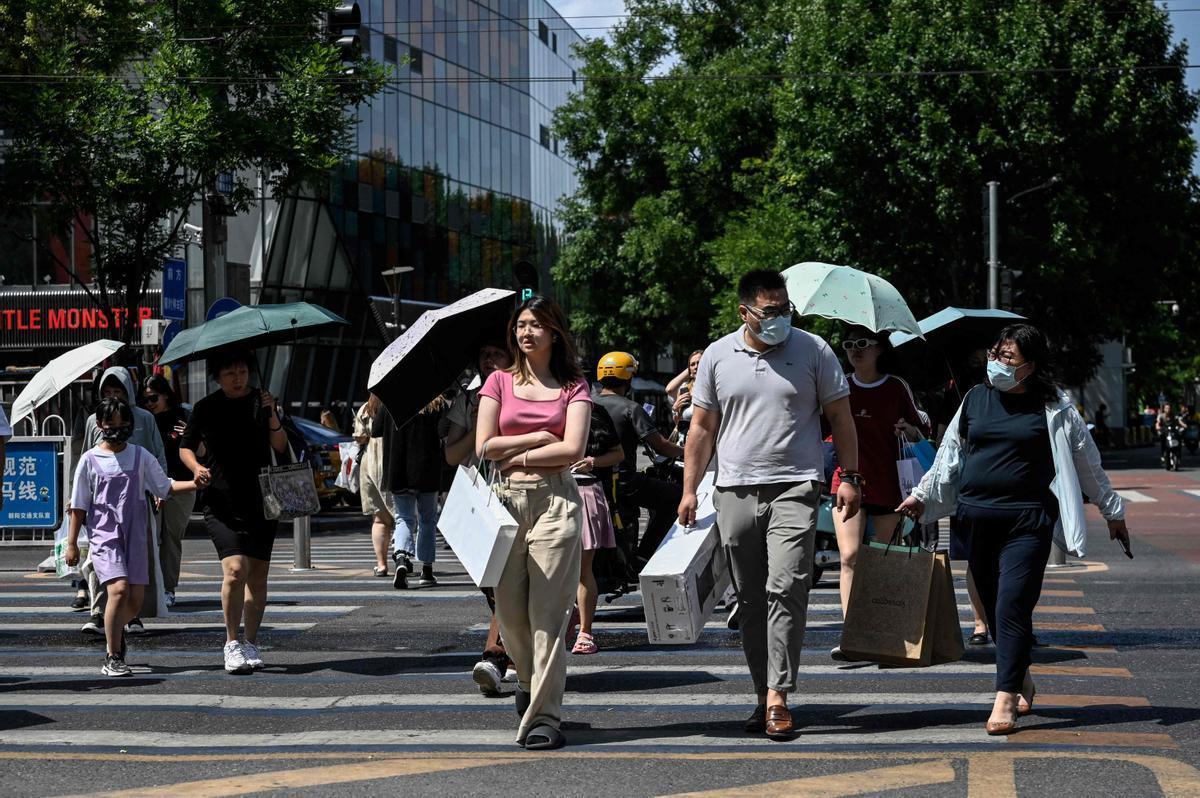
(993, 244)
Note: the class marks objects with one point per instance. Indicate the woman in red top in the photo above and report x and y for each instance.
(533, 424)
(884, 410)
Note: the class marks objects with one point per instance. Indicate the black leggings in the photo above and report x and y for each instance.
(1009, 549)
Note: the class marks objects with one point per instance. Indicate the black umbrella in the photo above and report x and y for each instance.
(427, 358)
(950, 334)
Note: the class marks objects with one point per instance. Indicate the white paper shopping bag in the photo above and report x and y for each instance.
(477, 526)
(910, 471)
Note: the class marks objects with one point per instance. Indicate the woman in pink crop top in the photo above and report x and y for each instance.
(533, 424)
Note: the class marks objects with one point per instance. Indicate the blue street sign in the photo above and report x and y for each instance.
(222, 306)
(174, 290)
(169, 335)
(30, 485)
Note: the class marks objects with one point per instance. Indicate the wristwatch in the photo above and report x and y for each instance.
(852, 478)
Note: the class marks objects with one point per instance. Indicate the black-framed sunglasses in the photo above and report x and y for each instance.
(151, 398)
(858, 343)
(772, 311)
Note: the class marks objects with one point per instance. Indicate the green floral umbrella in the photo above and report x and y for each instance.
(250, 327)
(849, 295)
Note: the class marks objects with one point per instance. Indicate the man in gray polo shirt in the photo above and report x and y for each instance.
(758, 398)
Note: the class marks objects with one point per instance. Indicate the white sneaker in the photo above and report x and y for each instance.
(235, 659)
(510, 675)
(169, 598)
(250, 652)
(488, 677)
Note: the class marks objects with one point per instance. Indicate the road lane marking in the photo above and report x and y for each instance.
(1080, 670)
(183, 702)
(1092, 738)
(22, 628)
(859, 782)
(304, 777)
(1062, 593)
(1068, 627)
(151, 623)
(1059, 609)
(719, 672)
(1193, 492)
(991, 776)
(1135, 496)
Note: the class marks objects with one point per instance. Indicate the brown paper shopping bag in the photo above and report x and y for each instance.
(943, 626)
(889, 608)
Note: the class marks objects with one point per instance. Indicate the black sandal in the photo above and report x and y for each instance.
(544, 738)
(978, 639)
(522, 701)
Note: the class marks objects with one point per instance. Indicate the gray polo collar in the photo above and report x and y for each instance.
(742, 346)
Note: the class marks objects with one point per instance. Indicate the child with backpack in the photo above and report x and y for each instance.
(109, 497)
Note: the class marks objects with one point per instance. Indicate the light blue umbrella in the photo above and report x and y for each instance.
(849, 295)
(966, 323)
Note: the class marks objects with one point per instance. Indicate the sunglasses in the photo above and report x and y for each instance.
(858, 343)
(772, 311)
(152, 397)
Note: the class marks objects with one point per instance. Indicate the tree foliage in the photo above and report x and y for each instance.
(862, 132)
(123, 112)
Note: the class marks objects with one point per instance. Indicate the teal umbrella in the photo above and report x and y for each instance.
(849, 295)
(250, 327)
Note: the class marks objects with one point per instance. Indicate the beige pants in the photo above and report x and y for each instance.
(537, 589)
(172, 522)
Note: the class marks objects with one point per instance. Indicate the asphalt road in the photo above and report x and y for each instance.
(367, 690)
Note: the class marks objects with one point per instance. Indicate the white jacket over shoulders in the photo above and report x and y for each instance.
(1077, 471)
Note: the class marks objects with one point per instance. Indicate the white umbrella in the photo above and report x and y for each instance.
(849, 295)
(59, 373)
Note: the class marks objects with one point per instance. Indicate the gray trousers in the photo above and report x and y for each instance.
(768, 533)
(172, 522)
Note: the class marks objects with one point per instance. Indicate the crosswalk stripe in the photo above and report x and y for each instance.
(13, 628)
(1135, 496)
(718, 672)
(1193, 492)
(285, 609)
(581, 739)
(183, 702)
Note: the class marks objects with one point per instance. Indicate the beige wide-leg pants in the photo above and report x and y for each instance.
(537, 589)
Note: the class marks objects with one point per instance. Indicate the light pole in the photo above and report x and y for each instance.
(395, 281)
(991, 204)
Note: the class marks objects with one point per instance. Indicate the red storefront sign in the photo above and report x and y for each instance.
(56, 318)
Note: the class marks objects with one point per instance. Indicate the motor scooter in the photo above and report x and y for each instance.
(1172, 447)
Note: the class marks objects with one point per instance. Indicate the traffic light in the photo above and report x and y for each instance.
(526, 275)
(1012, 291)
(341, 30)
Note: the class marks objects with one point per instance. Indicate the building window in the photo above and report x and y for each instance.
(544, 136)
(390, 51)
(556, 146)
(554, 42)
(573, 77)
(416, 61)
(543, 32)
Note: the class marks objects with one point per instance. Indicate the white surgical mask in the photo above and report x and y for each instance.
(1002, 376)
(773, 332)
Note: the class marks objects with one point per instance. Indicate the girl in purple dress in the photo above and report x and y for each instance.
(109, 498)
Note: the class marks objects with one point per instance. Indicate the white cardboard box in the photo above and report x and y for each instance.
(686, 577)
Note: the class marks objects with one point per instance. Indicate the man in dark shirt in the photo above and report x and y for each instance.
(615, 372)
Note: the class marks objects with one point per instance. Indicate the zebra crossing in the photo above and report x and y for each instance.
(357, 667)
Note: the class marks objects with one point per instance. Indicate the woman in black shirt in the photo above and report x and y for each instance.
(238, 427)
(1005, 502)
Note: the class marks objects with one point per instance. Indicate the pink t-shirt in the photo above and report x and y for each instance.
(521, 416)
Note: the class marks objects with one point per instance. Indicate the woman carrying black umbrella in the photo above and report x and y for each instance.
(239, 426)
(533, 423)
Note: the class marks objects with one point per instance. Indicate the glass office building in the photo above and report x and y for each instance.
(456, 175)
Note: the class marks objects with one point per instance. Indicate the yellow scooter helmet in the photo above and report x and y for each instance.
(620, 365)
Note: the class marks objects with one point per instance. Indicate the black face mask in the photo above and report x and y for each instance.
(116, 434)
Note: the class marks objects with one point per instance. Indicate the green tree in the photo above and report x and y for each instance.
(878, 124)
(123, 113)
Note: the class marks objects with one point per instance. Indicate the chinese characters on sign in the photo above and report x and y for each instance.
(30, 485)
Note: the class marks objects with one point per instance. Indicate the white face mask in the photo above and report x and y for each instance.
(1002, 376)
(773, 332)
